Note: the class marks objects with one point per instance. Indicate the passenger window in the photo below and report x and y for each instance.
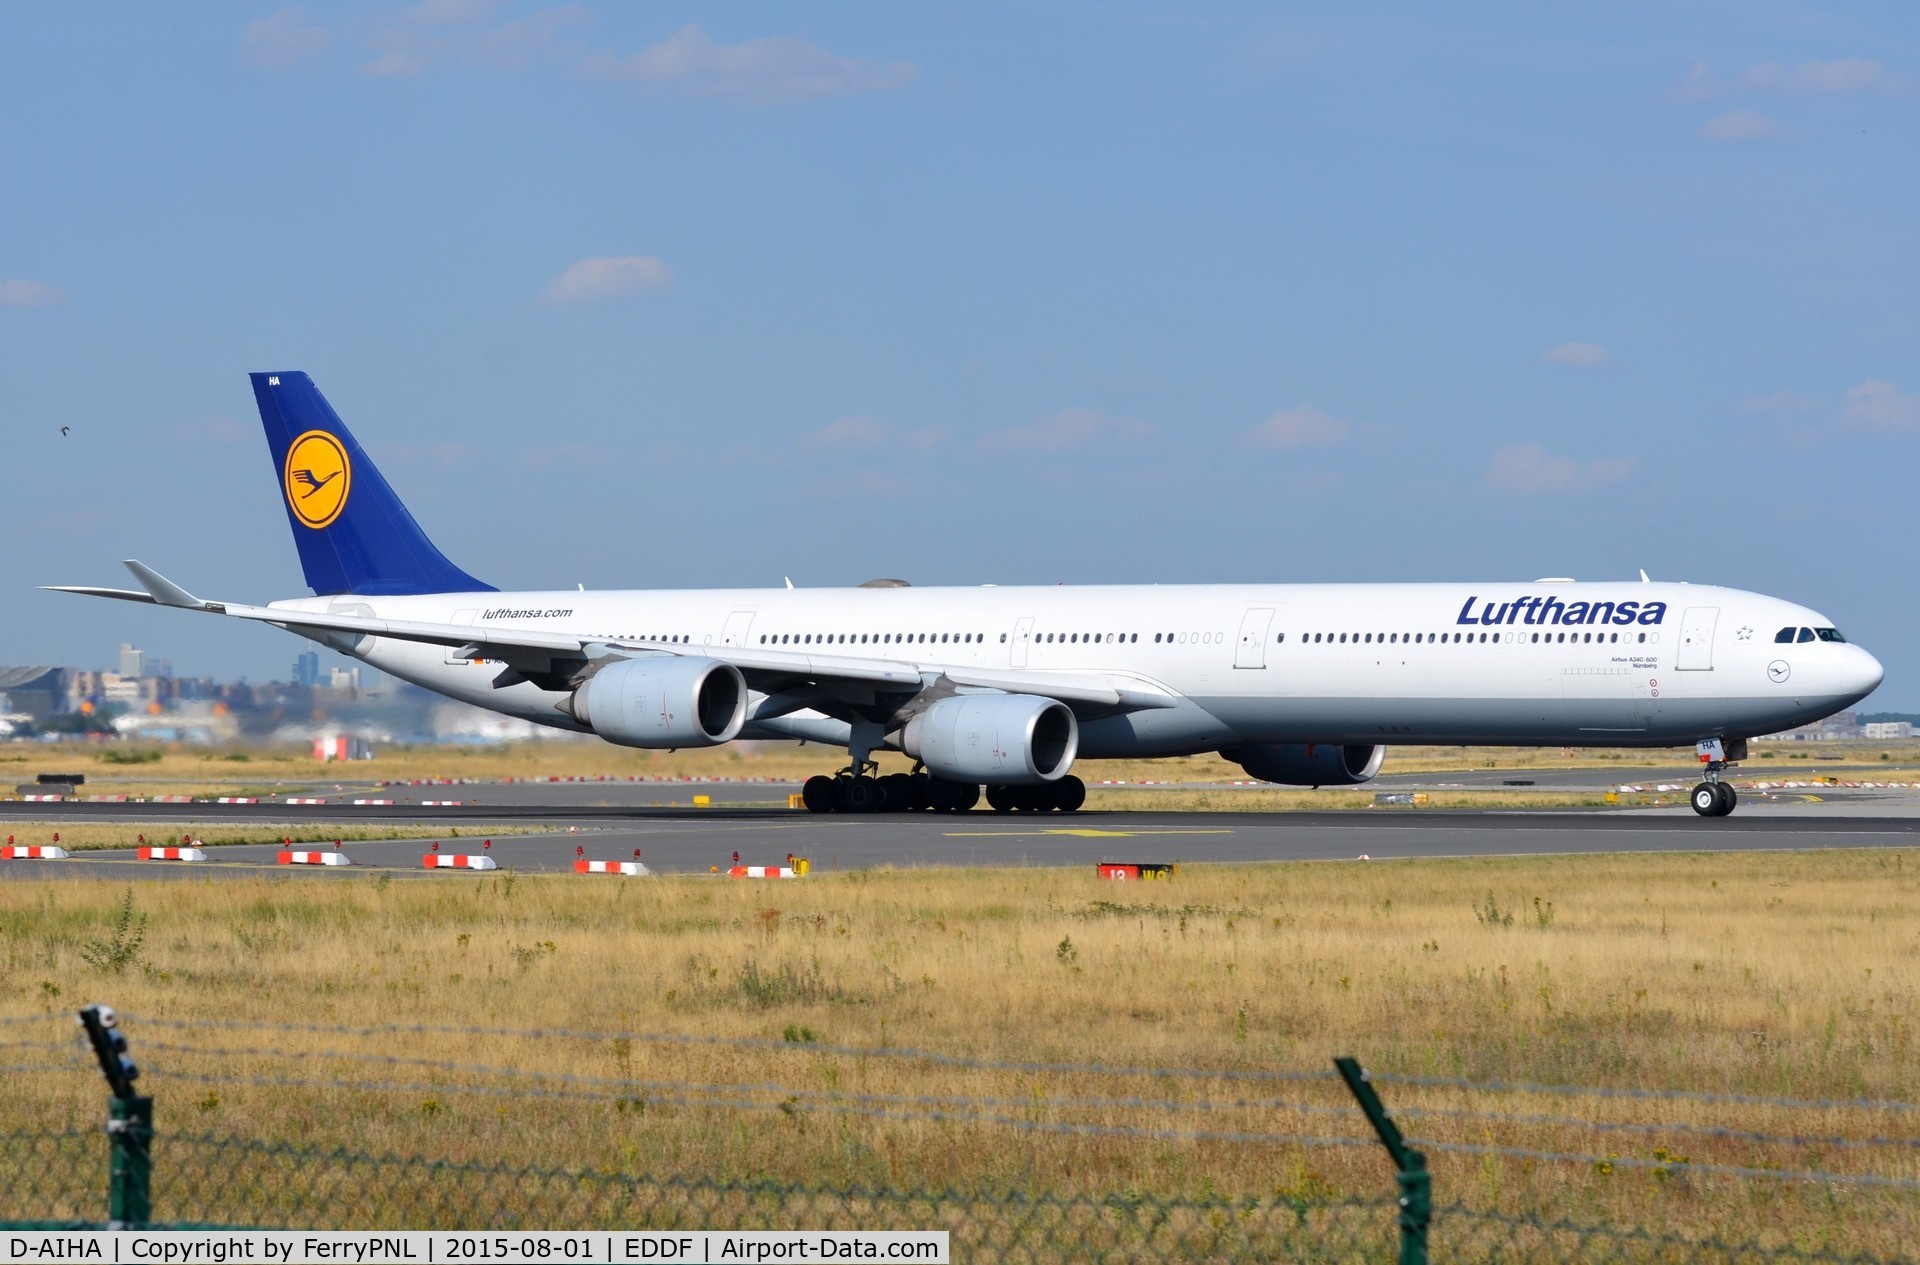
(1281, 637)
(1643, 638)
(1806, 634)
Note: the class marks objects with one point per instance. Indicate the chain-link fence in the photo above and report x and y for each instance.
(1504, 1188)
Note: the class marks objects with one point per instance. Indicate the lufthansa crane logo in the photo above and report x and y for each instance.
(317, 478)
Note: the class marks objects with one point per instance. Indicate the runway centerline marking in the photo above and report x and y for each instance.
(1088, 833)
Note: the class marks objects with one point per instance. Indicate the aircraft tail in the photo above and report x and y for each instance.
(353, 533)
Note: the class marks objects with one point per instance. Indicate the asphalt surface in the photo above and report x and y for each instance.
(687, 840)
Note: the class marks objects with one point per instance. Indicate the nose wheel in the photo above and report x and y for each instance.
(1714, 799)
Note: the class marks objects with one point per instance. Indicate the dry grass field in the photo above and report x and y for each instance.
(260, 771)
(1785, 975)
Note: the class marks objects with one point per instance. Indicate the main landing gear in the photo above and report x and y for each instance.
(857, 790)
(1714, 798)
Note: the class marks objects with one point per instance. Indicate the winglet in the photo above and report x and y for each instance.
(164, 591)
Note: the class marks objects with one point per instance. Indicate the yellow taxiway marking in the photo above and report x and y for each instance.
(1084, 834)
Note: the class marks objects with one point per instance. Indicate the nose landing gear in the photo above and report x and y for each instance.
(1714, 798)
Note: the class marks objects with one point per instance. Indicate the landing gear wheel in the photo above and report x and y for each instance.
(817, 794)
(949, 797)
(1707, 800)
(1069, 793)
(898, 791)
(921, 792)
(1729, 798)
(1002, 799)
(864, 795)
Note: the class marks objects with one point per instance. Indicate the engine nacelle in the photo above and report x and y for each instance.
(999, 739)
(662, 703)
(1310, 764)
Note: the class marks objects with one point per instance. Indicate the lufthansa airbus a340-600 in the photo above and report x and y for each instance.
(1006, 689)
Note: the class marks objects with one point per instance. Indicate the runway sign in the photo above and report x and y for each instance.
(1123, 871)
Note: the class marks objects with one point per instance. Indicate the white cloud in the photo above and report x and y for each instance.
(1302, 427)
(1879, 405)
(20, 292)
(1531, 468)
(455, 30)
(1699, 84)
(1742, 125)
(854, 429)
(1069, 428)
(778, 68)
(1848, 76)
(1584, 355)
(393, 62)
(607, 277)
(281, 40)
(451, 12)
(858, 430)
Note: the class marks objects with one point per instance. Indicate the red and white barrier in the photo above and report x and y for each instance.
(172, 854)
(32, 852)
(584, 866)
(42, 799)
(762, 871)
(314, 858)
(236, 799)
(457, 861)
(379, 802)
(304, 801)
(440, 803)
(170, 799)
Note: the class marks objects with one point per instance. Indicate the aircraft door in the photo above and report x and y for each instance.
(1022, 632)
(1696, 639)
(1252, 650)
(462, 617)
(735, 633)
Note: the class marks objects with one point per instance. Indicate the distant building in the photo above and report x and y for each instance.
(1836, 728)
(1883, 729)
(341, 747)
(39, 692)
(306, 668)
(133, 661)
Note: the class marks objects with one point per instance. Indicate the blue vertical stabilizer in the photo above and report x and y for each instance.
(354, 534)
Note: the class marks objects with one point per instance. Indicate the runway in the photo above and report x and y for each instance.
(695, 841)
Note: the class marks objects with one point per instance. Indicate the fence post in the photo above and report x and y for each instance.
(1415, 1182)
(129, 1122)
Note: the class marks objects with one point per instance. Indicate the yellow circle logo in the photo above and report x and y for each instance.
(316, 478)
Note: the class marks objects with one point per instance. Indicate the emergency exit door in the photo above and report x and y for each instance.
(1252, 650)
(1696, 639)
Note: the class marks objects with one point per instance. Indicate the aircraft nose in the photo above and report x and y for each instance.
(1865, 675)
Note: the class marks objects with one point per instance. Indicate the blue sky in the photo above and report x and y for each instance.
(642, 296)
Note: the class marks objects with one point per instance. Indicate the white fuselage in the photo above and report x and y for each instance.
(1631, 664)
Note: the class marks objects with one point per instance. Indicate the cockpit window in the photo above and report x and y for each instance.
(1806, 634)
(1785, 635)
(1829, 634)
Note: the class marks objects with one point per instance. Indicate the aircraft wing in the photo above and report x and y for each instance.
(769, 671)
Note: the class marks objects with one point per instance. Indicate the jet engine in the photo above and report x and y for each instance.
(999, 739)
(1310, 764)
(662, 703)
